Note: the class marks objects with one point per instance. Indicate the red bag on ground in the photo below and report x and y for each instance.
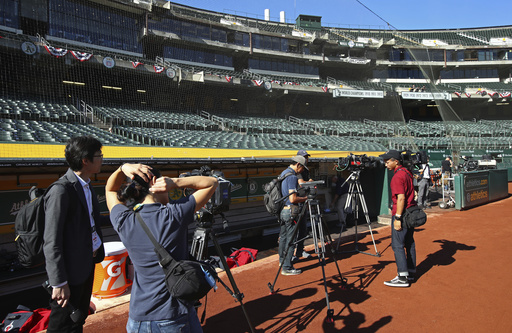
(241, 257)
(26, 320)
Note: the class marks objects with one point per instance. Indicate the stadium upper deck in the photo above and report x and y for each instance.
(163, 56)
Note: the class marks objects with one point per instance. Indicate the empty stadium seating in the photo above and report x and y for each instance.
(33, 121)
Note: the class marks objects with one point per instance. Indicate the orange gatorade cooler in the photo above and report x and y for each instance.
(110, 275)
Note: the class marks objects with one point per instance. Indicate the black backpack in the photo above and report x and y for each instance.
(29, 231)
(273, 194)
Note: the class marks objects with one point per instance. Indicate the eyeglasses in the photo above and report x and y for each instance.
(100, 156)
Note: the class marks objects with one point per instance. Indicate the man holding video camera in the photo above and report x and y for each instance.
(290, 213)
(402, 238)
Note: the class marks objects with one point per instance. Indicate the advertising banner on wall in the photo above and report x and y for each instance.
(475, 188)
(427, 95)
(357, 93)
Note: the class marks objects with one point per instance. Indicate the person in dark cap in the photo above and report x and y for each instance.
(402, 238)
(303, 177)
(290, 213)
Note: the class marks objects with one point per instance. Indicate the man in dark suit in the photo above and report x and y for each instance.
(72, 237)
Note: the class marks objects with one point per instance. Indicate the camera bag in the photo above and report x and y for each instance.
(186, 280)
(273, 195)
(29, 230)
(26, 320)
(414, 217)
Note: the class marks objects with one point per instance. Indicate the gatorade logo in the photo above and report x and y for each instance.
(114, 270)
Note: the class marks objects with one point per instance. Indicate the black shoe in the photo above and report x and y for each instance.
(294, 259)
(292, 271)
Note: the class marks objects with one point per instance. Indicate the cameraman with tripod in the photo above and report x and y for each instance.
(402, 238)
(303, 177)
(289, 213)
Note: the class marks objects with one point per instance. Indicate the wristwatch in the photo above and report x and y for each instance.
(398, 217)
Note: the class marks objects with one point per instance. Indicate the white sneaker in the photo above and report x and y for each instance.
(306, 255)
(397, 282)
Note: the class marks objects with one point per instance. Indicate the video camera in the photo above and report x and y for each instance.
(411, 160)
(359, 162)
(309, 189)
(470, 164)
(221, 199)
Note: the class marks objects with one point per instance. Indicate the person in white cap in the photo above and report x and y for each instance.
(290, 212)
(303, 177)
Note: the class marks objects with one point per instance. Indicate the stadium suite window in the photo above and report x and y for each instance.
(9, 13)
(267, 42)
(219, 35)
(487, 55)
(188, 29)
(203, 32)
(284, 45)
(256, 41)
(242, 39)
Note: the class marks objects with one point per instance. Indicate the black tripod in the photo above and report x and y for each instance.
(199, 250)
(354, 198)
(321, 236)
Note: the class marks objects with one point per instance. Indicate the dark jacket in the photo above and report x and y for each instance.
(67, 235)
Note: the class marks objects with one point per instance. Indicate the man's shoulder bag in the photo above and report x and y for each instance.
(186, 280)
(414, 217)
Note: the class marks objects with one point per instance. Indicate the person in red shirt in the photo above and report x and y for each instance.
(402, 238)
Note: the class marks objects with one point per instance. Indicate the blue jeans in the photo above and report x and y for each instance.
(285, 238)
(187, 323)
(402, 243)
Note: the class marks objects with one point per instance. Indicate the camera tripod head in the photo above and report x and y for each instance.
(205, 219)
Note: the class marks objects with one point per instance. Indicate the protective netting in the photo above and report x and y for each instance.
(186, 78)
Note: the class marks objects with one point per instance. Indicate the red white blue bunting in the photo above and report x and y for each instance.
(81, 56)
(56, 52)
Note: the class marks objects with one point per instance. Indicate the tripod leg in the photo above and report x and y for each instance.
(271, 286)
(329, 241)
(367, 217)
(349, 203)
(317, 227)
(358, 198)
(235, 293)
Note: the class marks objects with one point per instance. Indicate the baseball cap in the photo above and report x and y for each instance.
(302, 152)
(301, 160)
(391, 154)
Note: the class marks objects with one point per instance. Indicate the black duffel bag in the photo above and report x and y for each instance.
(189, 280)
(414, 217)
(186, 280)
